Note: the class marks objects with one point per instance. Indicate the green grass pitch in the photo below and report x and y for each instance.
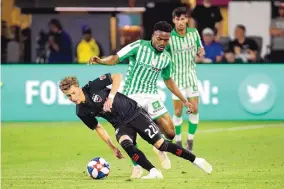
(244, 155)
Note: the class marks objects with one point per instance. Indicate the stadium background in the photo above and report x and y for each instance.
(45, 146)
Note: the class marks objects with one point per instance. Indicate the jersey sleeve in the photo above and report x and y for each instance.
(89, 121)
(198, 40)
(101, 82)
(129, 50)
(166, 72)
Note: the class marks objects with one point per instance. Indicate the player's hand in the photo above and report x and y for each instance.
(189, 106)
(117, 153)
(94, 60)
(200, 52)
(108, 105)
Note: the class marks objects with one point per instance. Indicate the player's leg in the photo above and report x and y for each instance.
(193, 120)
(149, 131)
(163, 145)
(166, 126)
(157, 111)
(177, 119)
(138, 156)
(137, 171)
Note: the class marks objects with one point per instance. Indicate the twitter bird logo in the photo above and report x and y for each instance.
(257, 94)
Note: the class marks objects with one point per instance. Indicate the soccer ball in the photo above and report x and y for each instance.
(98, 168)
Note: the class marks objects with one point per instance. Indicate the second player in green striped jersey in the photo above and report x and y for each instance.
(184, 46)
(145, 65)
(183, 50)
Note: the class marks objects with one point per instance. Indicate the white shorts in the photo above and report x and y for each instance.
(188, 92)
(151, 103)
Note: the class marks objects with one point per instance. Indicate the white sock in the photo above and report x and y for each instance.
(190, 136)
(154, 170)
(196, 160)
(178, 138)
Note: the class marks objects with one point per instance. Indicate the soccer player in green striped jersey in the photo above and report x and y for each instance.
(183, 46)
(147, 59)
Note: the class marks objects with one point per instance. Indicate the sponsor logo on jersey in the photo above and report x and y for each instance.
(102, 77)
(157, 106)
(97, 98)
(149, 66)
(154, 62)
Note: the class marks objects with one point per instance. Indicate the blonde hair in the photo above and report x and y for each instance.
(67, 82)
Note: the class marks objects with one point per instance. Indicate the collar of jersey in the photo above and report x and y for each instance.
(176, 34)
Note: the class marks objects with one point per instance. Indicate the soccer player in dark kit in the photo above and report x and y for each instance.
(127, 117)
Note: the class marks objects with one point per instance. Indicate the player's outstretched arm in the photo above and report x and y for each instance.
(171, 85)
(109, 60)
(174, 89)
(116, 81)
(105, 136)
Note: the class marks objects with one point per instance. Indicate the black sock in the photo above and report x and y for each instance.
(177, 150)
(136, 155)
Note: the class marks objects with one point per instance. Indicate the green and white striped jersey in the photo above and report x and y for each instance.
(145, 65)
(183, 50)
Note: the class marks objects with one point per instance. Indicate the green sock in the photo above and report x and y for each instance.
(192, 128)
(178, 123)
(133, 162)
(178, 129)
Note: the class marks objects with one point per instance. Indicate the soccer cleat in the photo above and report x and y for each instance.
(164, 159)
(189, 145)
(137, 172)
(179, 143)
(203, 164)
(153, 174)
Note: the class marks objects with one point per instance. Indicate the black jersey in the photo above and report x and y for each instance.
(96, 92)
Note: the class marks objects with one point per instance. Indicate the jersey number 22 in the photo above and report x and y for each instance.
(152, 131)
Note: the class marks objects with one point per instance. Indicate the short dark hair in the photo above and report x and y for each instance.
(56, 23)
(242, 27)
(162, 26)
(177, 12)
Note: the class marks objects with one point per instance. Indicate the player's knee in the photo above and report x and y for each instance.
(125, 144)
(194, 118)
(170, 135)
(195, 110)
(178, 112)
(123, 138)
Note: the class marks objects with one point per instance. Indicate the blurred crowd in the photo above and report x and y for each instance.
(53, 47)
(244, 48)
(56, 45)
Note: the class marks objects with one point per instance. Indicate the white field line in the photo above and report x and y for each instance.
(240, 128)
